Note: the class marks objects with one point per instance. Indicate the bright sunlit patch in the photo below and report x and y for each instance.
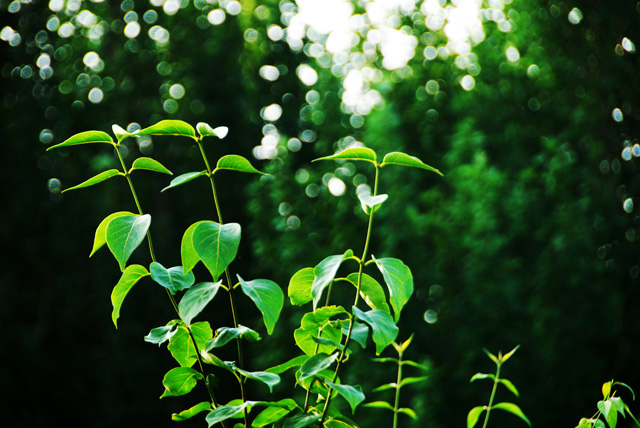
(96, 95)
(216, 16)
(177, 91)
(628, 45)
(617, 115)
(307, 75)
(91, 59)
(336, 186)
(132, 29)
(512, 53)
(628, 205)
(468, 82)
(269, 72)
(271, 113)
(575, 16)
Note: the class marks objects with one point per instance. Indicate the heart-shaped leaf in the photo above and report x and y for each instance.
(196, 298)
(101, 232)
(300, 287)
(169, 127)
(236, 163)
(105, 175)
(371, 291)
(181, 345)
(184, 178)
(173, 279)
(399, 280)
(268, 298)
(180, 381)
(149, 164)
(131, 275)
(124, 234)
(215, 244)
(86, 137)
(399, 158)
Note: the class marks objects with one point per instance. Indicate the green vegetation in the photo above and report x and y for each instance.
(528, 107)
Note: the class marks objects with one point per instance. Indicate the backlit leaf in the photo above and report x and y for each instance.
(399, 281)
(292, 363)
(353, 394)
(316, 363)
(369, 202)
(180, 381)
(216, 245)
(268, 298)
(379, 405)
(184, 178)
(270, 379)
(225, 335)
(105, 175)
(300, 287)
(304, 339)
(410, 380)
(512, 408)
(474, 415)
(384, 329)
(205, 130)
(398, 158)
(173, 279)
(482, 376)
(408, 412)
(169, 127)
(236, 163)
(274, 413)
(356, 153)
(131, 275)
(124, 234)
(324, 273)
(191, 412)
(149, 164)
(86, 137)
(101, 232)
(510, 386)
(196, 298)
(181, 346)
(159, 335)
(222, 413)
(371, 291)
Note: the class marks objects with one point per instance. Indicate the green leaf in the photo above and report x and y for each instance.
(236, 163)
(379, 405)
(599, 424)
(316, 363)
(270, 379)
(196, 298)
(292, 363)
(356, 153)
(609, 412)
(320, 317)
(119, 132)
(490, 355)
(618, 404)
(149, 164)
(324, 273)
(369, 202)
(86, 137)
(399, 281)
(223, 413)
(299, 290)
(124, 234)
(386, 360)
(181, 346)
(414, 364)
(301, 421)
(339, 423)
(225, 335)
(184, 178)
(359, 332)
(508, 355)
(408, 412)
(173, 279)
(131, 275)
(268, 298)
(512, 408)
(371, 291)
(353, 394)
(189, 413)
(510, 386)
(205, 130)
(633, 394)
(180, 381)
(187, 251)
(159, 335)
(398, 158)
(384, 329)
(101, 232)
(215, 244)
(410, 380)
(327, 342)
(482, 376)
(274, 413)
(105, 175)
(169, 127)
(606, 389)
(385, 387)
(304, 339)
(474, 415)
(208, 358)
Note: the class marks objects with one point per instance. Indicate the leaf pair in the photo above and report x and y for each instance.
(394, 158)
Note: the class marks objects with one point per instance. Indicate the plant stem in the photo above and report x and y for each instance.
(234, 311)
(153, 258)
(397, 400)
(355, 303)
(493, 393)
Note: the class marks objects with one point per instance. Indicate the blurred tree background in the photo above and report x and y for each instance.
(527, 107)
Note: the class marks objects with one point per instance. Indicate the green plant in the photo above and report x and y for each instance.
(399, 383)
(326, 332)
(609, 407)
(474, 414)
